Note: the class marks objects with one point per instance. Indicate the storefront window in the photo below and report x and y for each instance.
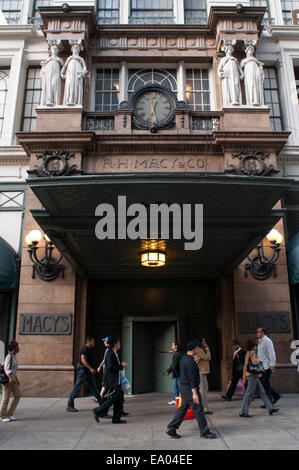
(195, 11)
(107, 89)
(198, 89)
(151, 12)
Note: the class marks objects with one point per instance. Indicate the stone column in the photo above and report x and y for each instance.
(46, 361)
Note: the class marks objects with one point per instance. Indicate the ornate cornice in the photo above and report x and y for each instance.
(33, 142)
(13, 155)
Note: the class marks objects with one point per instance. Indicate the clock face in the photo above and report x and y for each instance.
(153, 107)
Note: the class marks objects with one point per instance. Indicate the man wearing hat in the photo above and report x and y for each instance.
(190, 395)
(106, 342)
(112, 383)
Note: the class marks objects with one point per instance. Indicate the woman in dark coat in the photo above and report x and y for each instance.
(175, 370)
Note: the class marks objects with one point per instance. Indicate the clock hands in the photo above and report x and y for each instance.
(153, 104)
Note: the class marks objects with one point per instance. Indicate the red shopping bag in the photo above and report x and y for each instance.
(189, 414)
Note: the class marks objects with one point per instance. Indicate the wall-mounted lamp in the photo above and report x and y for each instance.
(48, 267)
(260, 266)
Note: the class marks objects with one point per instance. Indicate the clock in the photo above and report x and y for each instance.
(153, 107)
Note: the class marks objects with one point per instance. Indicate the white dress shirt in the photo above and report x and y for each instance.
(266, 352)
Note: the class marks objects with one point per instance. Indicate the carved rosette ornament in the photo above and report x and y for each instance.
(252, 164)
(55, 164)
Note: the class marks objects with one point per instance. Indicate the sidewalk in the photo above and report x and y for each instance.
(43, 423)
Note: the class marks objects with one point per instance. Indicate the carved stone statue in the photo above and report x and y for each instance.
(253, 77)
(73, 72)
(51, 79)
(230, 74)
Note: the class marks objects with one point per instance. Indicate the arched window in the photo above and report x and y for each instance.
(139, 78)
(3, 91)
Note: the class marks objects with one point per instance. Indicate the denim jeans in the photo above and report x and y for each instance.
(84, 376)
(176, 387)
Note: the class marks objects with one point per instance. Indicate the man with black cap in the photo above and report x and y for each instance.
(190, 395)
(112, 383)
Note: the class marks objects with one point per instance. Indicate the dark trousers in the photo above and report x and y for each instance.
(272, 394)
(84, 376)
(198, 410)
(115, 399)
(234, 383)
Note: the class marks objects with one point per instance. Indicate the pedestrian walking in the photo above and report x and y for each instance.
(174, 369)
(190, 395)
(238, 366)
(268, 358)
(106, 342)
(12, 387)
(112, 384)
(203, 359)
(86, 374)
(252, 375)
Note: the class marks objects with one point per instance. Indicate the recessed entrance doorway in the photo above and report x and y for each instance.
(147, 348)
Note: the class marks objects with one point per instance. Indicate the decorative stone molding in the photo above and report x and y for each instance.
(157, 42)
(55, 164)
(252, 164)
(75, 23)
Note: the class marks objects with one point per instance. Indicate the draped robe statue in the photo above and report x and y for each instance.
(230, 74)
(51, 79)
(74, 71)
(253, 78)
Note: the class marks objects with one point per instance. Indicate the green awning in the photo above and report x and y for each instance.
(8, 266)
(293, 259)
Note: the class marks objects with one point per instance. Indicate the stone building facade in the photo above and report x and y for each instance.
(170, 113)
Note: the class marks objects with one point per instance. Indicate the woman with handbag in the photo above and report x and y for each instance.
(252, 374)
(12, 386)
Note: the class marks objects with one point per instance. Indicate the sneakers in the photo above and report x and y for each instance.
(172, 402)
(245, 415)
(273, 411)
(172, 433)
(209, 435)
(6, 420)
(12, 418)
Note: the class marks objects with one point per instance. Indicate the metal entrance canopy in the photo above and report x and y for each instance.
(238, 213)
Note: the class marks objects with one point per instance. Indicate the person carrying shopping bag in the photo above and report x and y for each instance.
(252, 374)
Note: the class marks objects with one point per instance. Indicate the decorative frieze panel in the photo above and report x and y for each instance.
(158, 42)
(252, 164)
(55, 164)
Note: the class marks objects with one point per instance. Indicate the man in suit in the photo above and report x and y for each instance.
(238, 365)
(112, 384)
